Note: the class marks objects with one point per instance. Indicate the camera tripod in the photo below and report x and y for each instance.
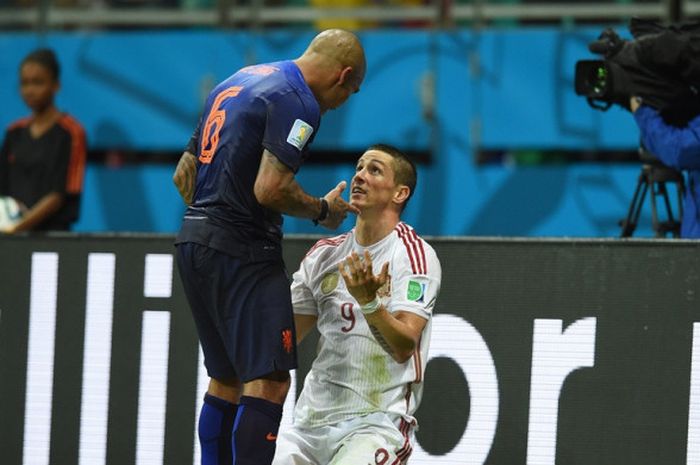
(654, 176)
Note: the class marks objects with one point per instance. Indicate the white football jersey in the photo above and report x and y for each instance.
(352, 375)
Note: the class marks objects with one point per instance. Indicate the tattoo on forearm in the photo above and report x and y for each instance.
(380, 339)
(189, 182)
(184, 176)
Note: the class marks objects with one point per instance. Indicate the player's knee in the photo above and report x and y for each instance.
(228, 389)
(279, 383)
(272, 386)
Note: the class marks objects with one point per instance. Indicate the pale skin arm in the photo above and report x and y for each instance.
(399, 332)
(276, 188)
(43, 209)
(303, 325)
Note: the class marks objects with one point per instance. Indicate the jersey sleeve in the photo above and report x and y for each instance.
(193, 143)
(289, 129)
(416, 278)
(303, 300)
(68, 168)
(59, 168)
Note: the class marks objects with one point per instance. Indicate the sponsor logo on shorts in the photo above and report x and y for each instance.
(287, 343)
(271, 437)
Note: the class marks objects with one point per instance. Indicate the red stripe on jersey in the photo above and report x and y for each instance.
(78, 154)
(414, 246)
(405, 451)
(418, 249)
(331, 241)
(422, 251)
(402, 235)
(403, 455)
(417, 364)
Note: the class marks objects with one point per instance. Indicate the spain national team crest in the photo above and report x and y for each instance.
(329, 283)
(287, 343)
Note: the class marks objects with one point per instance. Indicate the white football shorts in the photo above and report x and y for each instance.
(374, 439)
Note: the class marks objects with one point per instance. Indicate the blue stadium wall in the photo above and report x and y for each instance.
(510, 89)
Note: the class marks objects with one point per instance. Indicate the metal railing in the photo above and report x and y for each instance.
(439, 13)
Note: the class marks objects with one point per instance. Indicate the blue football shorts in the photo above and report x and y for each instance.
(242, 309)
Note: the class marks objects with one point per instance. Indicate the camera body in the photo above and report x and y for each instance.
(661, 65)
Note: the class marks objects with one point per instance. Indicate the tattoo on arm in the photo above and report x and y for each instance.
(189, 183)
(184, 178)
(275, 162)
(380, 339)
(278, 189)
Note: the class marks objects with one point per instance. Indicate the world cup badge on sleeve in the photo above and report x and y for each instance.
(416, 290)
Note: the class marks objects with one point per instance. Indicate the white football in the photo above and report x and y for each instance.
(10, 212)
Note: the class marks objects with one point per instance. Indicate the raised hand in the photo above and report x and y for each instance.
(337, 207)
(360, 279)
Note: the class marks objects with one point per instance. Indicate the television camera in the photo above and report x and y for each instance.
(661, 65)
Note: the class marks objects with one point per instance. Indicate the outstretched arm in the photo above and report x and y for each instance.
(276, 188)
(303, 325)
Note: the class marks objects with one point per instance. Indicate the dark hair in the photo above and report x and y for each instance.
(46, 58)
(404, 169)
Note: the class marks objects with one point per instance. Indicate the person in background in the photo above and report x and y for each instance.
(677, 148)
(42, 159)
(366, 381)
(239, 174)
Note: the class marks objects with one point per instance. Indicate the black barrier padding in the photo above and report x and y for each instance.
(632, 406)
